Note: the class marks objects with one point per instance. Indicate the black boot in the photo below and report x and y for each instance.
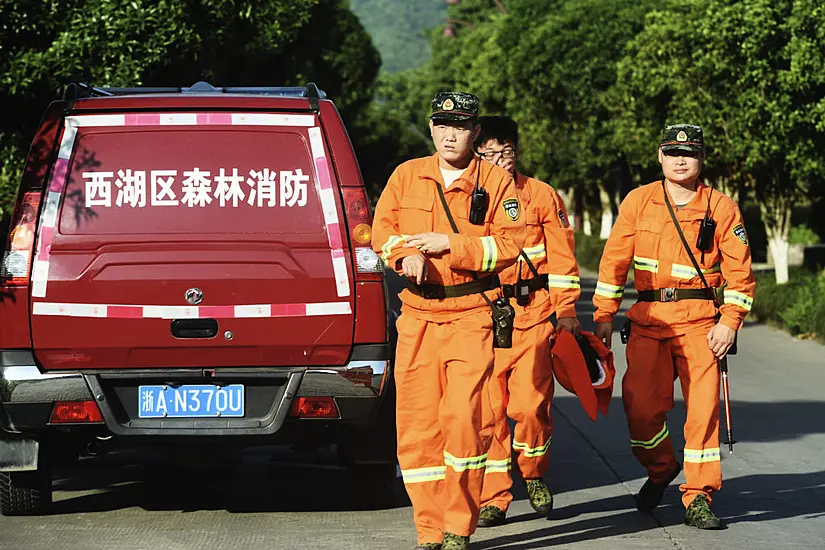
(650, 496)
(541, 499)
(700, 515)
(491, 516)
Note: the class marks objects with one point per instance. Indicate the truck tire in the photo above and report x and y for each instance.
(27, 493)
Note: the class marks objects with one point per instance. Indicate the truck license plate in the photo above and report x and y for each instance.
(195, 401)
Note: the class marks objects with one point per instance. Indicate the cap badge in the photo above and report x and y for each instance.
(681, 136)
(448, 104)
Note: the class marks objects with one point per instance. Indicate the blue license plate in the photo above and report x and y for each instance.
(195, 401)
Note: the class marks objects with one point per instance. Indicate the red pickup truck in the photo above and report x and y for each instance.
(191, 266)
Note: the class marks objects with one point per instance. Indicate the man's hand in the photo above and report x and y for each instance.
(570, 324)
(720, 339)
(604, 332)
(429, 243)
(415, 267)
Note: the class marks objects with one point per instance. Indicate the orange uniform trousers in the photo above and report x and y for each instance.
(523, 387)
(653, 363)
(445, 418)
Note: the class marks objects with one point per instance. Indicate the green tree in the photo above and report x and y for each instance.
(43, 44)
(750, 72)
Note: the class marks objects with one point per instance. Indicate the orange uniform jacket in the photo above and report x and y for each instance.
(550, 245)
(644, 236)
(410, 205)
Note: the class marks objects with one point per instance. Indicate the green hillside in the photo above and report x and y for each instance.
(399, 29)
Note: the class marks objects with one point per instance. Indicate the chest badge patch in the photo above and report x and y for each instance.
(512, 209)
(563, 218)
(739, 231)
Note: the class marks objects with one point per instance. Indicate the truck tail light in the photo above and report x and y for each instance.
(368, 266)
(17, 258)
(76, 412)
(314, 407)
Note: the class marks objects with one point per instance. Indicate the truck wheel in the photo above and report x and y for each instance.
(27, 493)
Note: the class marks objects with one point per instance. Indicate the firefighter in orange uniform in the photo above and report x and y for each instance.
(444, 358)
(545, 278)
(675, 320)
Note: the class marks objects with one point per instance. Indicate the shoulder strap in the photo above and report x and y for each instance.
(455, 230)
(446, 207)
(686, 245)
(529, 263)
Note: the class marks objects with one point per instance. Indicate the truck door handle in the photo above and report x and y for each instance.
(194, 328)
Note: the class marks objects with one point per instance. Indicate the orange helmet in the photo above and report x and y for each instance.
(584, 367)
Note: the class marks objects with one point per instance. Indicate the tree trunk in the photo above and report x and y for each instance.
(776, 215)
(779, 250)
(607, 213)
(587, 227)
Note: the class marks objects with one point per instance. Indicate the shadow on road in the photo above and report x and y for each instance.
(256, 482)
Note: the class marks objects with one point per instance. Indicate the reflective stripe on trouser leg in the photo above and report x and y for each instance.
(419, 381)
(531, 395)
(466, 418)
(647, 396)
(699, 375)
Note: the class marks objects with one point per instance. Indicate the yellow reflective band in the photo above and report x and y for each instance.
(645, 264)
(532, 452)
(609, 291)
(742, 300)
(389, 245)
(654, 441)
(421, 475)
(461, 464)
(563, 281)
(681, 271)
(536, 252)
(704, 455)
(498, 466)
(490, 255)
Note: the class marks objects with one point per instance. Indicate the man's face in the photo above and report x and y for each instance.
(453, 140)
(501, 154)
(681, 167)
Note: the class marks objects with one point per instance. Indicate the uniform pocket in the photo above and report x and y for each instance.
(646, 250)
(416, 214)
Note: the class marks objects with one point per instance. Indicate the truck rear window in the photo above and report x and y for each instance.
(162, 180)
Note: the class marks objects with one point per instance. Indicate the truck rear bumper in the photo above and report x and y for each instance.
(28, 395)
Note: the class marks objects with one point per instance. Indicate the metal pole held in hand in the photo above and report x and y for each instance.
(723, 367)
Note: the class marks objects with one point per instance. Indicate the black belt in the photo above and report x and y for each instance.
(534, 284)
(439, 292)
(675, 294)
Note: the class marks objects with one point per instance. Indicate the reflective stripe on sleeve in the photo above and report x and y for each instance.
(737, 298)
(681, 271)
(645, 264)
(609, 291)
(536, 252)
(391, 243)
(563, 281)
(490, 254)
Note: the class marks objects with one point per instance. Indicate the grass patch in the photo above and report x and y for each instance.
(797, 306)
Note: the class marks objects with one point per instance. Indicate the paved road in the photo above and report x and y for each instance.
(774, 492)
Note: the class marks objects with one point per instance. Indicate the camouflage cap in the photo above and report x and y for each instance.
(457, 106)
(682, 137)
